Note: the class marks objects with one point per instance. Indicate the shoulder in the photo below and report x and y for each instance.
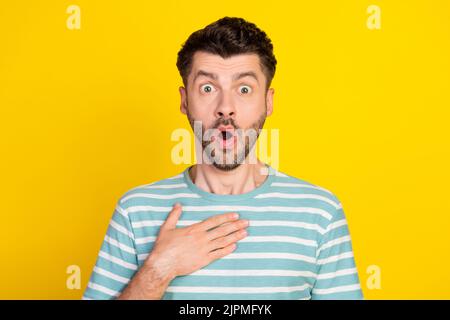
(282, 179)
(307, 193)
(153, 192)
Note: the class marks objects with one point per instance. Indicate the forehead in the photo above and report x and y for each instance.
(225, 67)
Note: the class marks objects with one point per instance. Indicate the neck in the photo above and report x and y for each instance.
(242, 179)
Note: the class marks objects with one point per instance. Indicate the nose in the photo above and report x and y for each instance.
(225, 108)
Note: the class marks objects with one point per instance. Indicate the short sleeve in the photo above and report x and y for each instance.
(337, 276)
(117, 260)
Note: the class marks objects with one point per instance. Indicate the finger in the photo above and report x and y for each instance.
(229, 239)
(219, 253)
(226, 229)
(223, 224)
(172, 218)
(215, 221)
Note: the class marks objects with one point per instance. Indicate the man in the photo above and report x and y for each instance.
(227, 227)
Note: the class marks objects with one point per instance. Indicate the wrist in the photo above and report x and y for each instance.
(159, 268)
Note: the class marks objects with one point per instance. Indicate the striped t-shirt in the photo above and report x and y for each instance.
(298, 244)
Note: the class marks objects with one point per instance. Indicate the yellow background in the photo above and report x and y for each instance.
(87, 114)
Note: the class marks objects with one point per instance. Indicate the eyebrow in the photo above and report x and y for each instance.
(235, 77)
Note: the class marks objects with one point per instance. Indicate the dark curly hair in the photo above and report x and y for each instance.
(227, 37)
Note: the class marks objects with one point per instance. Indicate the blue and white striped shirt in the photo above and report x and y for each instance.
(298, 244)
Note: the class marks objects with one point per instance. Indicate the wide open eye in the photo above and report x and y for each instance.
(207, 88)
(245, 89)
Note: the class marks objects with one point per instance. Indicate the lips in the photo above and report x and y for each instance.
(226, 136)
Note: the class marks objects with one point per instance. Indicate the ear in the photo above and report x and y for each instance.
(269, 101)
(183, 102)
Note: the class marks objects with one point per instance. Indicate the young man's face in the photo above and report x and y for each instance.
(229, 98)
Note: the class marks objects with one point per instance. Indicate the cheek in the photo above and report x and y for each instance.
(200, 113)
(200, 105)
(251, 111)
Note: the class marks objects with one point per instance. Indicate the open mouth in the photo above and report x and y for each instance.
(226, 135)
(226, 138)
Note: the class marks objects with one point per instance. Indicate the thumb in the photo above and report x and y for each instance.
(173, 217)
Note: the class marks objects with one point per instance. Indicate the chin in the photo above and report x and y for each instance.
(226, 167)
